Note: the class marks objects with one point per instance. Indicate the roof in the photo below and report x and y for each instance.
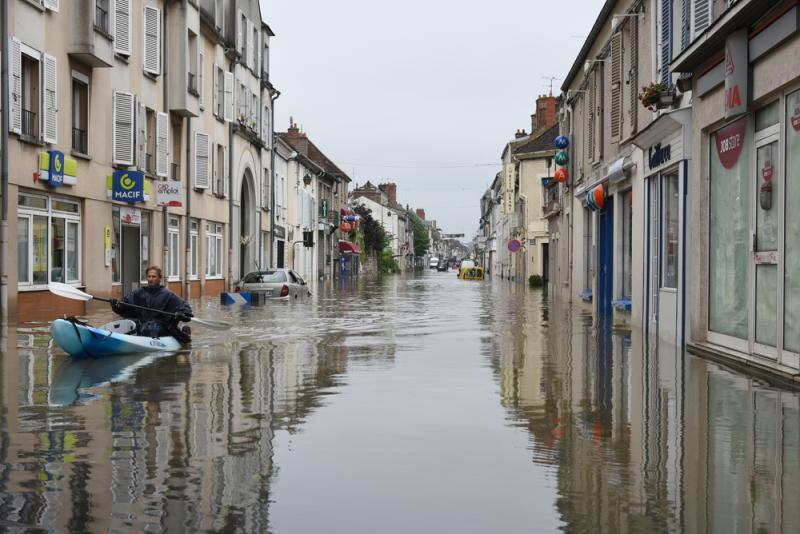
(540, 143)
(602, 18)
(313, 153)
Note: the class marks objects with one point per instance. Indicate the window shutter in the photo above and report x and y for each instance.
(52, 5)
(162, 144)
(215, 174)
(15, 91)
(122, 27)
(200, 160)
(597, 149)
(141, 136)
(591, 118)
(200, 78)
(701, 16)
(633, 82)
(228, 96)
(616, 86)
(685, 23)
(152, 40)
(122, 130)
(239, 31)
(226, 173)
(265, 124)
(256, 51)
(666, 41)
(50, 100)
(215, 97)
(250, 27)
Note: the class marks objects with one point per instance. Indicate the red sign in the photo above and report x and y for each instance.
(736, 73)
(514, 245)
(730, 141)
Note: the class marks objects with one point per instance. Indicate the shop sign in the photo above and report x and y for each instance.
(169, 193)
(127, 186)
(547, 180)
(658, 155)
(57, 170)
(736, 73)
(794, 104)
(130, 215)
(730, 141)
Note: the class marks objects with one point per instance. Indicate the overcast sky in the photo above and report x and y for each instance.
(424, 93)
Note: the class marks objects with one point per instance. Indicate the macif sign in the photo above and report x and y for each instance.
(737, 69)
(127, 186)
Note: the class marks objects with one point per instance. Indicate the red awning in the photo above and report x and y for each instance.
(346, 247)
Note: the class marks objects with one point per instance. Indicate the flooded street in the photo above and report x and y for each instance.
(422, 404)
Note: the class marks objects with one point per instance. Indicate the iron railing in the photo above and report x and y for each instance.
(80, 141)
(29, 124)
(174, 171)
(149, 164)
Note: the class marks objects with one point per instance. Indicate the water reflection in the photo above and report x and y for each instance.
(406, 403)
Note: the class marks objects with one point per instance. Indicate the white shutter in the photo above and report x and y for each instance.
(616, 86)
(239, 31)
(215, 97)
(226, 173)
(250, 29)
(141, 136)
(122, 129)
(701, 16)
(152, 40)
(52, 5)
(200, 78)
(15, 89)
(215, 175)
(162, 145)
(201, 160)
(228, 96)
(257, 51)
(50, 100)
(265, 124)
(122, 27)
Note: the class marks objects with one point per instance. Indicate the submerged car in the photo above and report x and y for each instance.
(471, 273)
(274, 283)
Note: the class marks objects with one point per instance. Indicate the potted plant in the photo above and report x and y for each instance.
(656, 95)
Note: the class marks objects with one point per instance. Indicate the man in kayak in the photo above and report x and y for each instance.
(156, 297)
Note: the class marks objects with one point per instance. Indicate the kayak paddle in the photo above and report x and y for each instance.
(70, 292)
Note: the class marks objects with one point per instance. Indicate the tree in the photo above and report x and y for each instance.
(421, 241)
(372, 230)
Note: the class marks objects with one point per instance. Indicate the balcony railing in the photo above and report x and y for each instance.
(29, 124)
(100, 18)
(174, 171)
(192, 83)
(80, 141)
(149, 164)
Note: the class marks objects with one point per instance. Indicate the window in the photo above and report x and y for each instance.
(792, 226)
(627, 243)
(194, 250)
(174, 249)
(200, 89)
(669, 266)
(191, 75)
(48, 235)
(214, 254)
(220, 185)
(219, 91)
(101, 16)
(80, 113)
(588, 257)
(30, 95)
(202, 154)
(242, 35)
(219, 15)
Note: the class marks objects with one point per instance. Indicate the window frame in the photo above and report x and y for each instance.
(82, 79)
(174, 246)
(214, 242)
(664, 241)
(194, 250)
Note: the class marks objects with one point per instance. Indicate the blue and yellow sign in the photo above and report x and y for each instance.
(56, 170)
(127, 186)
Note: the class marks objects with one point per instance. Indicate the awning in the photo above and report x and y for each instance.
(346, 247)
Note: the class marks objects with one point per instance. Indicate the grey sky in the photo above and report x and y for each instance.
(387, 88)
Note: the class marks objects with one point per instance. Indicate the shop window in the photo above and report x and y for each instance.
(769, 115)
(193, 249)
(627, 243)
(792, 226)
(669, 255)
(588, 257)
(173, 245)
(214, 254)
(48, 234)
(729, 229)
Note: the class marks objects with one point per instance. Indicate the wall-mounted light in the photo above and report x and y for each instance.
(307, 179)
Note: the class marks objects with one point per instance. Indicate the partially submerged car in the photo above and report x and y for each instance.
(274, 283)
(471, 273)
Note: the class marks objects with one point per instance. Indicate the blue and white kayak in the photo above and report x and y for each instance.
(80, 341)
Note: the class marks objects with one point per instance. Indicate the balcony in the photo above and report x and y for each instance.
(80, 141)
(29, 124)
(181, 55)
(89, 30)
(191, 84)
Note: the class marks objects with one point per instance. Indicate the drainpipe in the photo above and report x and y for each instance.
(272, 262)
(4, 172)
(186, 259)
(165, 90)
(234, 62)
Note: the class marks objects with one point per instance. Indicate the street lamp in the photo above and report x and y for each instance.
(307, 180)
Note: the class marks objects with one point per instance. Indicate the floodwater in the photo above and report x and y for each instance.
(407, 404)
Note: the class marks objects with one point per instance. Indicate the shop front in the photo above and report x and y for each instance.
(129, 250)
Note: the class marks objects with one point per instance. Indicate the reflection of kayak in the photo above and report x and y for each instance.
(80, 340)
(76, 375)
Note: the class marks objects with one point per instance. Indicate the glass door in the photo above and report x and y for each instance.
(766, 246)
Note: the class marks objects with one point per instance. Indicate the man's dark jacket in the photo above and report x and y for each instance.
(151, 323)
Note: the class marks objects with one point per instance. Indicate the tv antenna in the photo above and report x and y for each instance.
(550, 79)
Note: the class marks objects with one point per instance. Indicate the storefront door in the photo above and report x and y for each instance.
(130, 258)
(605, 280)
(766, 253)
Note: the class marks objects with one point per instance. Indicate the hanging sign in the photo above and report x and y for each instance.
(127, 186)
(514, 245)
(736, 73)
(729, 141)
(107, 245)
(130, 215)
(169, 193)
(56, 170)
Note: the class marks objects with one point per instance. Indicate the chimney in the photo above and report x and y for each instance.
(390, 189)
(421, 213)
(533, 123)
(520, 133)
(545, 115)
(297, 139)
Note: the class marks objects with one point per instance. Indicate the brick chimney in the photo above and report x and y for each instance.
(520, 133)
(297, 139)
(421, 213)
(545, 116)
(390, 189)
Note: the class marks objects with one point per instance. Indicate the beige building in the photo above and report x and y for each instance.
(117, 108)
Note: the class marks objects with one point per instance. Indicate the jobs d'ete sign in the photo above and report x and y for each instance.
(736, 73)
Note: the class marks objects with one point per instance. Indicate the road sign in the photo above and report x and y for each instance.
(514, 245)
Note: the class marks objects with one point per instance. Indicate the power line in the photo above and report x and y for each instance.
(430, 166)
